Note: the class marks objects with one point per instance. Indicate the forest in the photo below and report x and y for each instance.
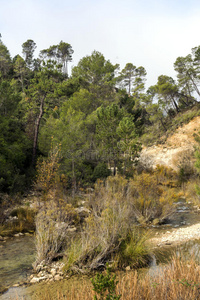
(70, 168)
(98, 117)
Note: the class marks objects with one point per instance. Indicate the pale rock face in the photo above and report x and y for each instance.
(179, 146)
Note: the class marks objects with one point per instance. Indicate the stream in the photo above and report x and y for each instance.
(17, 255)
(16, 258)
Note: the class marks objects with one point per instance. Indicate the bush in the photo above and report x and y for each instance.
(109, 225)
(25, 221)
(105, 286)
(133, 250)
(149, 199)
(52, 230)
(101, 171)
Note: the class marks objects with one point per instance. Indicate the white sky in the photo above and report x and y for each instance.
(148, 33)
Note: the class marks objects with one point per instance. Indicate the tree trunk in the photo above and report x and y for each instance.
(175, 104)
(163, 124)
(37, 127)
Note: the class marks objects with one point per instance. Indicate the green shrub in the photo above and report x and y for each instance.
(101, 171)
(105, 286)
(133, 250)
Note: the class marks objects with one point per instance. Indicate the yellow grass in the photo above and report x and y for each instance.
(180, 280)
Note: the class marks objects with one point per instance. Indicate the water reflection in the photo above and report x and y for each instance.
(16, 258)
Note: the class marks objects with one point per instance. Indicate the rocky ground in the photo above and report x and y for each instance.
(177, 236)
(53, 272)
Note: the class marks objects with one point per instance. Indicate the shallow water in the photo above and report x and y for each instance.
(16, 258)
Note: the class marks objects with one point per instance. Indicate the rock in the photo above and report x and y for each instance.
(16, 285)
(58, 277)
(71, 229)
(81, 203)
(53, 272)
(40, 266)
(17, 235)
(35, 280)
(38, 279)
(83, 211)
(28, 234)
(60, 273)
(168, 243)
(183, 223)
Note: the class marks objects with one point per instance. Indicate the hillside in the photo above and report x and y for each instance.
(179, 146)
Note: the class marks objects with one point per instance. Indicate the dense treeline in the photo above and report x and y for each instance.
(97, 116)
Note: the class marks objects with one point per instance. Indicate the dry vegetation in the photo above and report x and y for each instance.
(179, 279)
(108, 234)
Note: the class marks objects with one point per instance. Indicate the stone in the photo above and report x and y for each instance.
(83, 211)
(17, 235)
(35, 280)
(58, 277)
(71, 229)
(168, 243)
(53, 272)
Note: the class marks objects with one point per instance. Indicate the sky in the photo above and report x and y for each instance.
(148, 33)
